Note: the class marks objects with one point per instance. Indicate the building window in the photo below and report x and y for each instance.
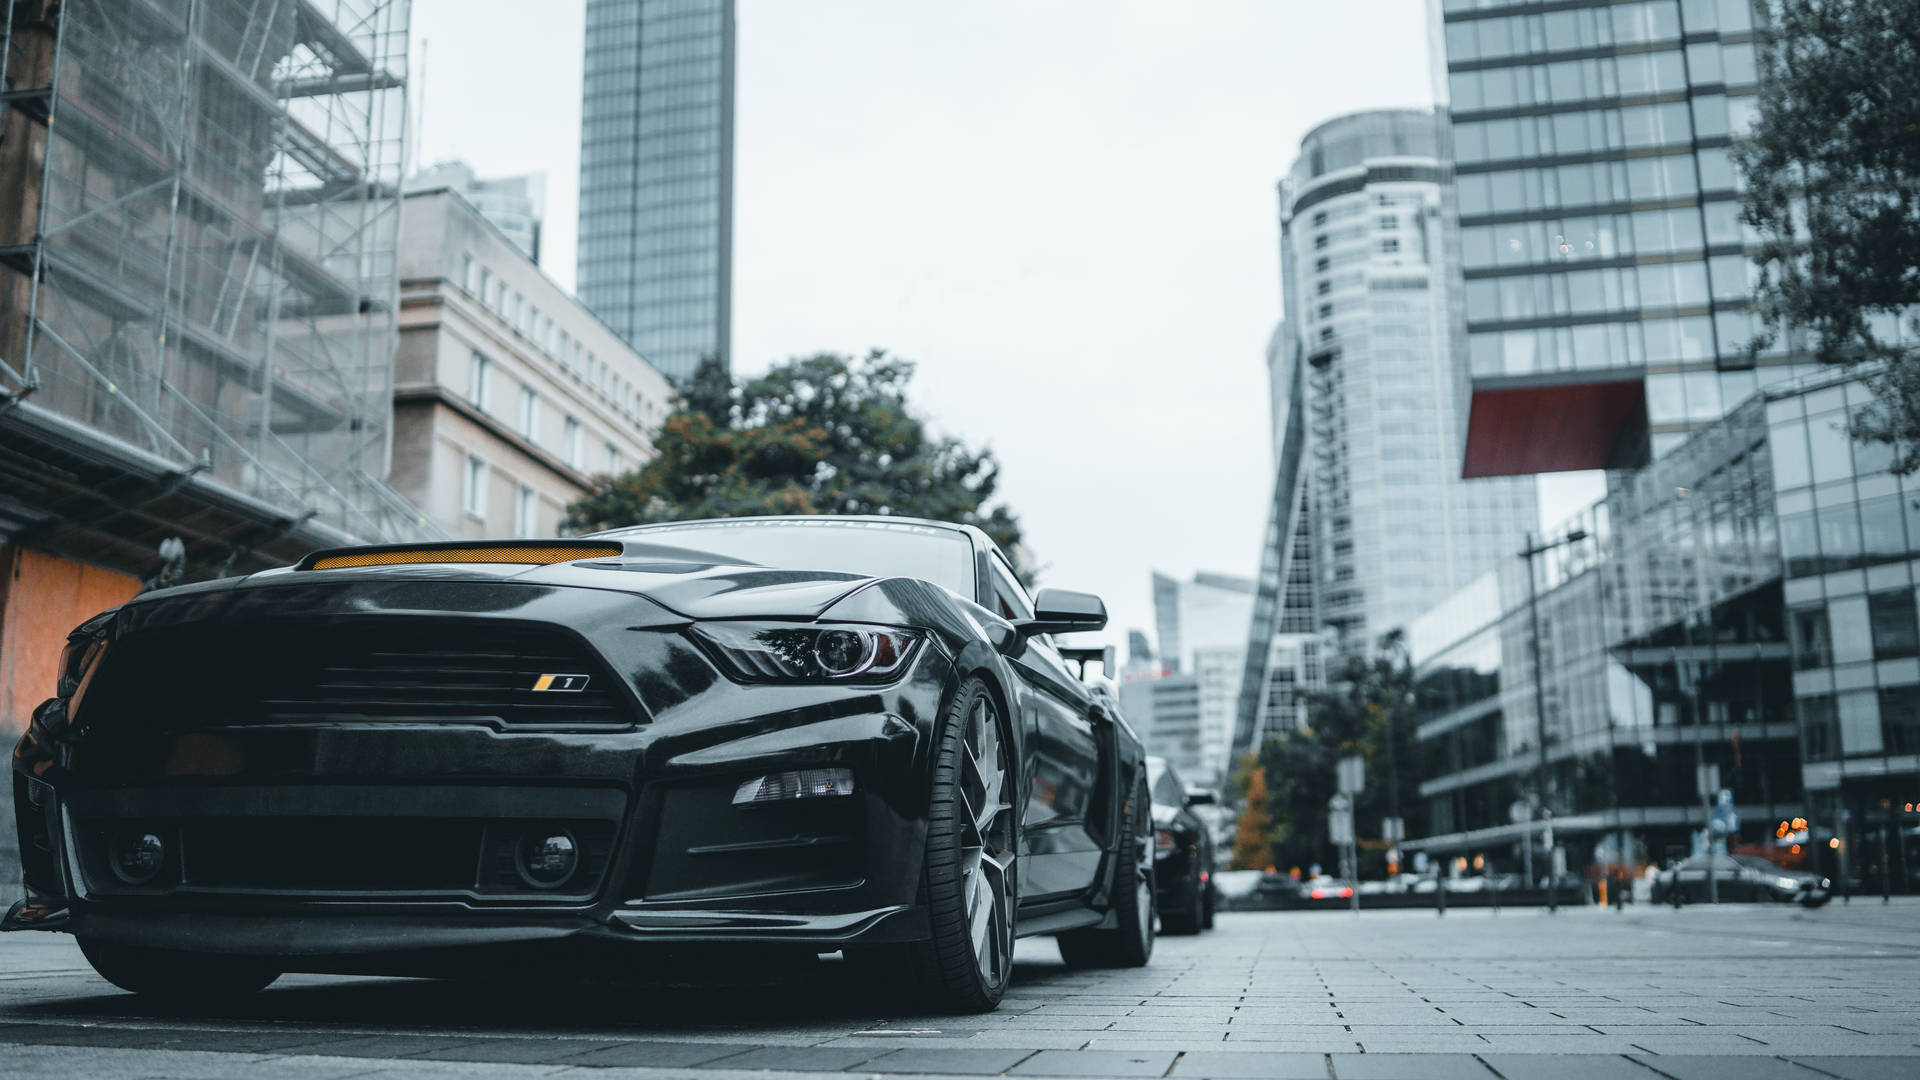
(1812, 648)
(1818, 724)
(1320, 242)
(474, 498)
(1895, 634)
(470, 274)
(477, 380)
(1390, 244)
(529, 410)
(526, 513)
(570, 444)
(485, 292)
(613, 460)
(1859, 723)
(1851, 630)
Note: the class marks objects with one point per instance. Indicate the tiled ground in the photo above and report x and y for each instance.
(1741, 991)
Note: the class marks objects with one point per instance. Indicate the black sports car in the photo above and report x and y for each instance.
(828, 734)
(1182, 852)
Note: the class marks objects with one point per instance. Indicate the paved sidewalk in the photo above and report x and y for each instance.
(1741, 991)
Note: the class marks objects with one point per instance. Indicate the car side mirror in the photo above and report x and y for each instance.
(1063, 611)
(1199, 797)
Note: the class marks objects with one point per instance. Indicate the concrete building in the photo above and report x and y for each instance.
(1370, 294)
(509, 395)
(656, 176)
(1605, 262)
(515, 204)
(197, 303)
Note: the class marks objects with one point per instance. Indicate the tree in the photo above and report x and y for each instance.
(1833, 186)
(824, 434)
(1366, 708)
(1252, 846)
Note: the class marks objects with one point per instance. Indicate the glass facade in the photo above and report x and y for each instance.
(656, 176)
(1748, 602)
(1370, 305)
(1599, 205)
(1850, 545)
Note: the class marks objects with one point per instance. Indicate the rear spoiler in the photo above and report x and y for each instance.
(528, 552)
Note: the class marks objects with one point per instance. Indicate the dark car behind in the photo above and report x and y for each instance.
(1182, 852)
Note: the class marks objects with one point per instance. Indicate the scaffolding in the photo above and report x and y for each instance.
(199, 215)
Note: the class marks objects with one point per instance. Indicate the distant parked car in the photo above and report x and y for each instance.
(1326, 888)
(1740, 878)
(1182, 852)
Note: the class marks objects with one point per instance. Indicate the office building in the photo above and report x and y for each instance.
(1202, 623)
(1747, 603)
(656, 176)
(1605, 262)
(509, 396)
(1366, 235)
(197, 302)
(515, 204)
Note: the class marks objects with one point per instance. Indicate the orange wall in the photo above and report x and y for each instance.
(42, 597)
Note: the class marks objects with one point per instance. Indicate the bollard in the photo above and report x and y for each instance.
(1493, 886)
(1440, 895)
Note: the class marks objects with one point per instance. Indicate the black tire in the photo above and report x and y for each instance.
(190, 975)
(1130, 942)
(966, 850)
(1187, 919)
(1209, 899)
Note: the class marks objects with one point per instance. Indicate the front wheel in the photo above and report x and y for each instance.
(969, 875)
(190, 976)
(1130, 942)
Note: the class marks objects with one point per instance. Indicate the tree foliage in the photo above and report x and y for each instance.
(1252, 837)
(1366, 708)
(824, 434)
(1833, 186)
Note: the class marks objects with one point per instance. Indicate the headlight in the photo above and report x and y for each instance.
(782, 652)
(75, 659)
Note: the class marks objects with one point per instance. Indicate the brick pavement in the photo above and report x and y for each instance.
(1743, 991)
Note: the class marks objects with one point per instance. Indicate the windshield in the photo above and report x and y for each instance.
(874, 548)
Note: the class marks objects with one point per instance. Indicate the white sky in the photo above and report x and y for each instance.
(1064, 210)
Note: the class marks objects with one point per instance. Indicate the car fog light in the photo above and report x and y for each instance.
(548, 859)
(799, 784)
(138, 856)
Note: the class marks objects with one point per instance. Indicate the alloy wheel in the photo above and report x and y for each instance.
(987, 848)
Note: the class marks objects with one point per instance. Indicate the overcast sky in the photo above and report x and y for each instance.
(1063, 211)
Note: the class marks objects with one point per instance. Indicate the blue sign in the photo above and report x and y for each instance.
(1724, 820)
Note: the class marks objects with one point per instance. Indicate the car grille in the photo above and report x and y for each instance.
(258, 673)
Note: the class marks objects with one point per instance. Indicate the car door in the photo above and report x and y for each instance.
(1058, 852)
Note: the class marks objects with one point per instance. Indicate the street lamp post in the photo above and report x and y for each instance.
(1540, 701)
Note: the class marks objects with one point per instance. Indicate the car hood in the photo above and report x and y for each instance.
(690, 588)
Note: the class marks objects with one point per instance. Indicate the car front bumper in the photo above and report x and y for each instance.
(346, 843)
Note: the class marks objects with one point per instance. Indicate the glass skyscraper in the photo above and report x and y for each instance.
(1605, 261)
(656, 176)
(1371, 301)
